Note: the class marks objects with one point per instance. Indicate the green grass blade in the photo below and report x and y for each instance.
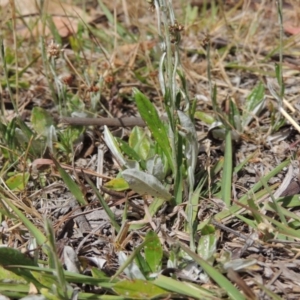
(276, 205)
(62, 288)
(227, 170)
(285, 229)
(221, 280)
(234, 208)
(72, 186)
(183, 288)
(104, 205)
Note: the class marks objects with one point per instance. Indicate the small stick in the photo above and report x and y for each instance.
(289, 118)
(114, 122)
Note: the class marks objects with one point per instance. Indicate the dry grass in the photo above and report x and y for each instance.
(99, 67)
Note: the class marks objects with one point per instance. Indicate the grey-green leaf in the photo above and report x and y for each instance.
(116, 151)
(144, 183)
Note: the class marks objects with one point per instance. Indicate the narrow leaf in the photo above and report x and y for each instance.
(105, 206)
(254, 104)
(38, 235)
(221, 280)
(183, 288)
(72, 186)
(227, 170)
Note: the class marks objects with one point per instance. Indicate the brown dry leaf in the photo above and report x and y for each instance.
(32, 289)
(65, 17)
(293, 30)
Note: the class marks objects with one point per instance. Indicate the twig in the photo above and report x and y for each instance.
(114, 122)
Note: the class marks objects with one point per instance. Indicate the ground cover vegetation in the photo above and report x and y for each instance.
(149, 149)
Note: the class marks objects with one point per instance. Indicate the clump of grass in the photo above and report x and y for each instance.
(159, 163)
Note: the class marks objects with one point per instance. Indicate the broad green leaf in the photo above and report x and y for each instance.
(18, 181)
(139, 289)
(144, 183)
(154, 123)
(153, 251)
(10, 257)
(204, 117)
(41, 120)
(6, 275)
(117, 184)
(140, 142)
